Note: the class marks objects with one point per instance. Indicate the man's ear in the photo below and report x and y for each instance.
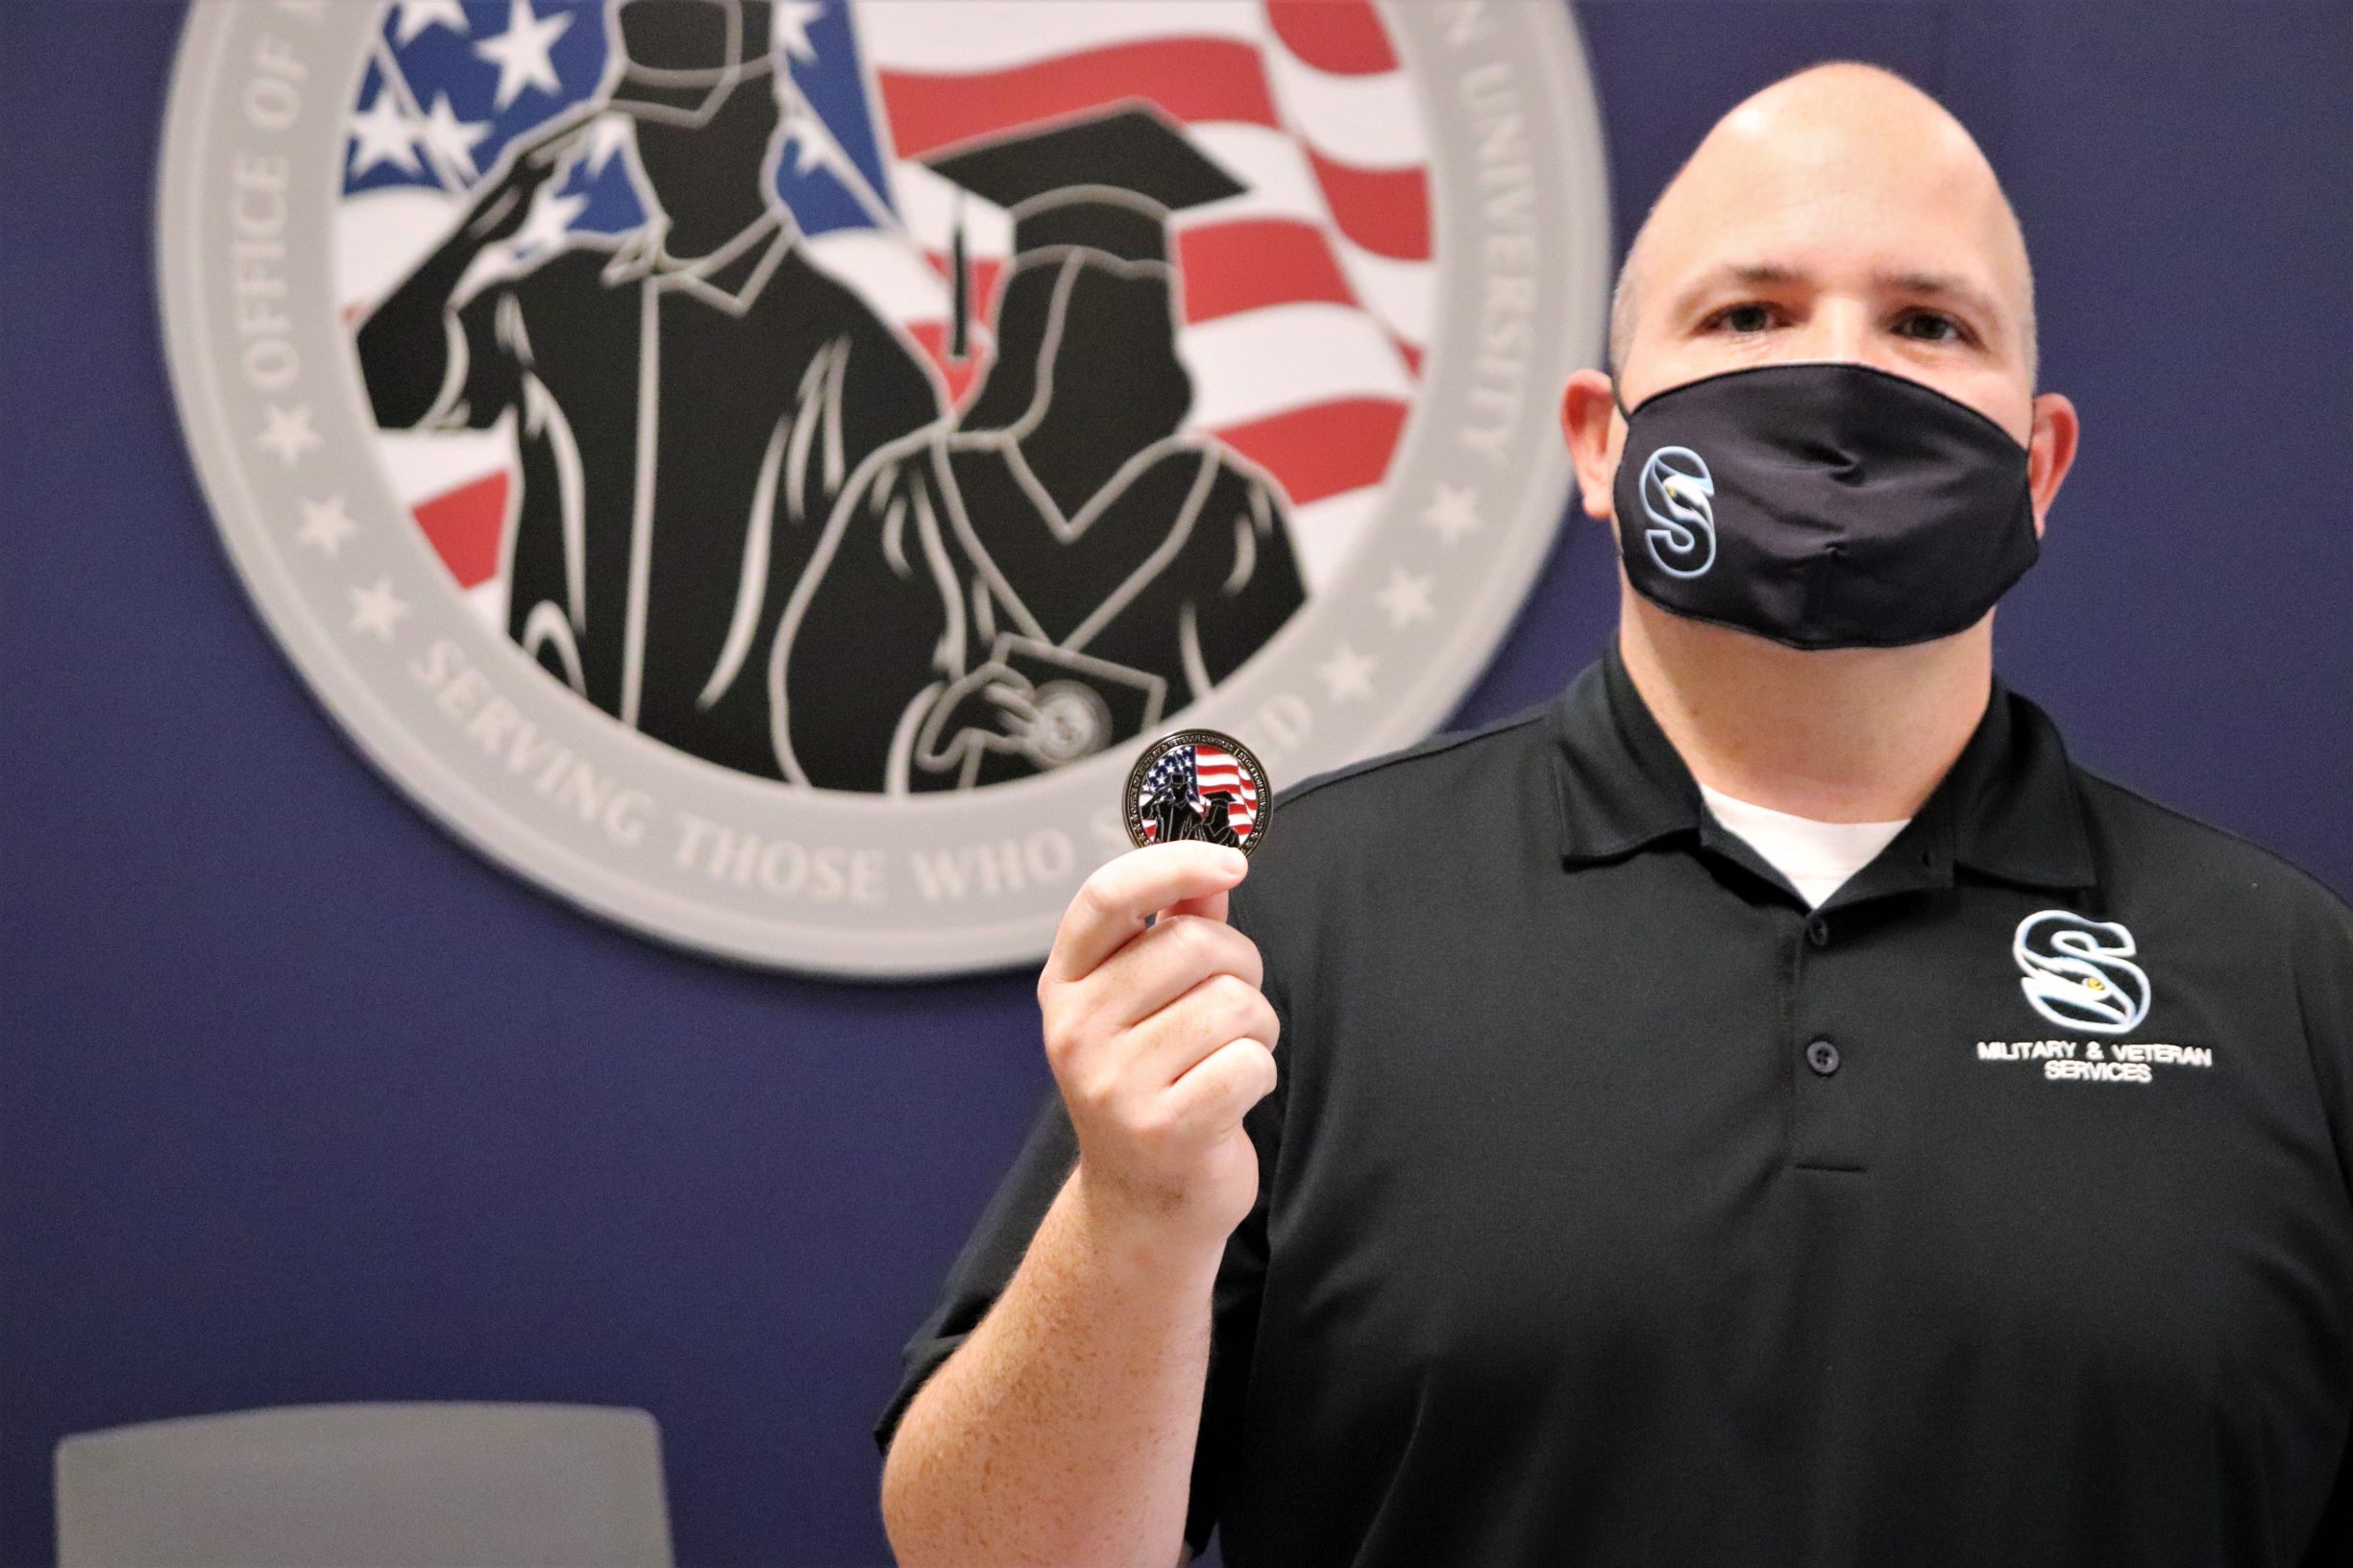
(2050, 451)
(1589, 425)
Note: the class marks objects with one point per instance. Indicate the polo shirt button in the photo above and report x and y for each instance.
(1818, 931)
(1822, 1057)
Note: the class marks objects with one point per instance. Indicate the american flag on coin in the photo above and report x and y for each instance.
(1198, 784)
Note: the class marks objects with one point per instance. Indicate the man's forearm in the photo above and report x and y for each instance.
(1062, 1432)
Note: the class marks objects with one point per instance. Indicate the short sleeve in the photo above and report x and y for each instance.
(1002, 1237)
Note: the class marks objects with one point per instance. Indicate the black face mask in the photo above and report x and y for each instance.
(1822, 505)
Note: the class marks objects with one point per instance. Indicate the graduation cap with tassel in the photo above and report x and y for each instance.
(1106, 183)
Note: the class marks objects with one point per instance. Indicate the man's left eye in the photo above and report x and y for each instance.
(1929, 326)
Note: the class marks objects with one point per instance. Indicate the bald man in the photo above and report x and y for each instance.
(1801, 1119)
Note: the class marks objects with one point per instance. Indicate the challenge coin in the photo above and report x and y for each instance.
(1198, 784)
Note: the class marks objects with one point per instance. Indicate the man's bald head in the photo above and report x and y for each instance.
(1840, 130)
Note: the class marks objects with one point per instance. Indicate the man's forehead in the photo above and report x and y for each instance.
(1838, 172)
(1768, 192)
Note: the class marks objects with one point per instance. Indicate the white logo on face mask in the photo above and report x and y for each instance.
(2079, 973)
(1676, 492)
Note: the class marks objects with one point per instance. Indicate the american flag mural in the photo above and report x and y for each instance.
(1305, 300)
(1197, 772)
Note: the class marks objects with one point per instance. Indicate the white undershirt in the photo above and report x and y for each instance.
(1816, 856)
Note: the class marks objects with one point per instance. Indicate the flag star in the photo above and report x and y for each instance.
(606, 138)
(454, 139)
(1346, 674)
(812, 143)
(288, 433)
(521, 52)
(384, 135)
(416, 15)
(550, 224)
(1453, 513)
(1406, 598)
(326, 525)
(789, 23)
(378, 609)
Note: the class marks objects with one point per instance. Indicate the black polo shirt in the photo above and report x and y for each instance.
(1616, 1210)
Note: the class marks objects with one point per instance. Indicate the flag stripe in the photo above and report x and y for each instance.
(1342, 37)
(1325, 449)
(959, 36)
(1385, 211)
(1374, 119)
(466, 527)
(1219, 773)
(1189, 79)
(1402, 294)
(1284, 356)
(1230, 268)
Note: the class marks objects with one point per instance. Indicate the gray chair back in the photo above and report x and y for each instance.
(404, 1486)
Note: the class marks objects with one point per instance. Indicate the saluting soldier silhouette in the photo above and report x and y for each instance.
(1059, 567)
(1172, 815)
(689, 399)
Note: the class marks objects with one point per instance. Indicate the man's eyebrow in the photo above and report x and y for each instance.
(1747, 273)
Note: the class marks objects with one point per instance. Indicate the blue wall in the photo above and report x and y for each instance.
(301, 1101)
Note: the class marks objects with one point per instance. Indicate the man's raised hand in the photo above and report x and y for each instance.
(1160, 1039)
(503, 203)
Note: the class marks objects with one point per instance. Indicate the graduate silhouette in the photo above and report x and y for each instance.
(1056, 568)
(688, 400)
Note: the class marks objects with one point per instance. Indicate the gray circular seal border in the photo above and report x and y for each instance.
(875, 886)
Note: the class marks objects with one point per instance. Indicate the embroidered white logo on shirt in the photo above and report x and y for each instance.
(2079, 973)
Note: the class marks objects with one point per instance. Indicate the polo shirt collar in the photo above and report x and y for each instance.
(1622, 782)
(2007, 808)
(2011, 796)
